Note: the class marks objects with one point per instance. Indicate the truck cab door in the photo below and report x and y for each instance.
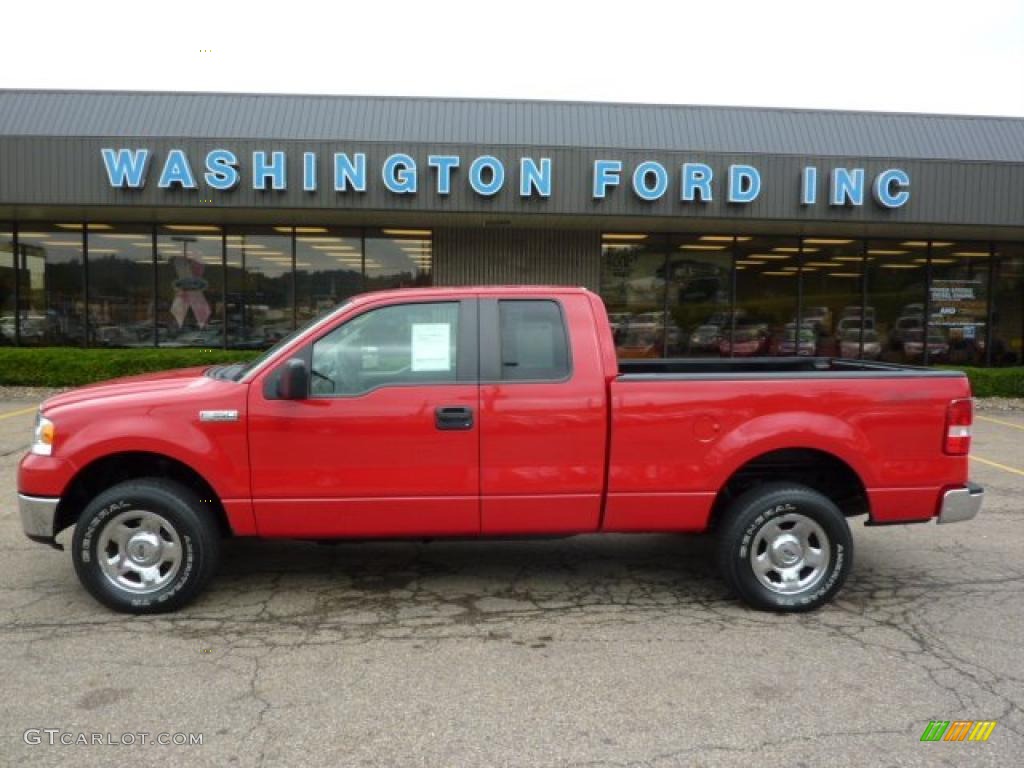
(386, 442)
(543, 416)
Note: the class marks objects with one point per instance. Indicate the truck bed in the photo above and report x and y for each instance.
(770, 368)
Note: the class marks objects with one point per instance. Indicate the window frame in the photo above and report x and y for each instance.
(490, 341)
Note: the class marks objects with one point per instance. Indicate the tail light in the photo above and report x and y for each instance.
(959, 416)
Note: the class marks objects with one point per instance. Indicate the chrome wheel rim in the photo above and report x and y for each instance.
(139, 551)
(790, 554)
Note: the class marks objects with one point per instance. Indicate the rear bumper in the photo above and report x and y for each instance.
(961, 504)
(37, 516)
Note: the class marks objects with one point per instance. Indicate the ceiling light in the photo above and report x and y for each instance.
(879, 252)
(773, 256)
(620, 245)
(618, 236)
(819, 264)
(935, 261)
(126, 236)
(847, 258)
(780, 274)
(899, 266)
(724, 238)
(703, 247)
(404, 232)
(971, 254)
(795, 250)
(924, 244)
(825, 241)
(751, 262)
(192, 227)
(844, 274)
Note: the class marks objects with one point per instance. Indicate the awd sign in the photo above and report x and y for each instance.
(691, 183)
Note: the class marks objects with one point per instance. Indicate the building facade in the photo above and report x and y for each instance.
(219, 220)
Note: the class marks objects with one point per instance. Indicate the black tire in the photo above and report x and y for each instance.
(184, 550)
(745, 533)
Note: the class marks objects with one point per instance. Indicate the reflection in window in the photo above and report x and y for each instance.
(189, 281)
(400, 344)
(52, 285)
(328, 269)
(831, 323)
(259, 297)
(896, 277)
(699, 278)
(633, 289)
(7, 294)
(120, 286)
(767, 271)
(1008, 305)
(958, 306)
(398, 258)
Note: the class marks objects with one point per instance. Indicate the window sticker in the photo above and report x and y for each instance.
(431, 347)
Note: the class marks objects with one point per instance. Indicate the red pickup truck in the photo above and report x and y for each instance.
(495, 411)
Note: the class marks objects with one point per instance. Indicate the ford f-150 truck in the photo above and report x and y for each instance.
(493, 411)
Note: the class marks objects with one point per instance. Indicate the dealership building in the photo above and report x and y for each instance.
(225, 220)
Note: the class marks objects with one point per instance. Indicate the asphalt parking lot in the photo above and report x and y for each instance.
(591, 651)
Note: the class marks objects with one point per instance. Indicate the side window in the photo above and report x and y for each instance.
(400, 344)
(534, 346)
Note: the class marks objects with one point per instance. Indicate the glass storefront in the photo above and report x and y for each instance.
(1007, 306)
(7, 284)
(668, 295)
(121, 312)
(51, 285)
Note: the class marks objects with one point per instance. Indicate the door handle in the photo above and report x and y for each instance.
(453, 417)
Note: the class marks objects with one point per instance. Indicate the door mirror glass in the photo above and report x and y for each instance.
(294, 381)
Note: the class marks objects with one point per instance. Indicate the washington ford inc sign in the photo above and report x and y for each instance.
(402, 174)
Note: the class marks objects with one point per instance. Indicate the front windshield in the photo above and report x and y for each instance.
(285, 341)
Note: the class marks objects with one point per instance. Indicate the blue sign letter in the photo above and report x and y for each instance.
(744, 183)
(809, 186)
(221, 169)
(883, 188)
(606, 174)
(177, 171)
(476, 175)
(309, 171)
(532, 177)
(697, 178)
(444, 164)
(349, 172)
(847, 187)
(640, 185)
(399, 174)
(126, 168)
(274, 170)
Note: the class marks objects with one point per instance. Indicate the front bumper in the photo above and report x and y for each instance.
(961, 504)
(37, 517)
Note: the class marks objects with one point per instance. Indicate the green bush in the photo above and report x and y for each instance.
(69, 367)
(995, 382)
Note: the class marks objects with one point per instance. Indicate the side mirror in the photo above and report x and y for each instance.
(294, 381)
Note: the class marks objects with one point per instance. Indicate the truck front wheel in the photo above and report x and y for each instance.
(785, 547)
(143, 546)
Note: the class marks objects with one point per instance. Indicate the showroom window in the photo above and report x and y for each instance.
(7, 286)
(896, 274)
(398, 258)
(259, 287)
(767, 276)
(633, 288)
(51, 288)
(328, 269)
(958, 302)
(189, 286)
(832, 296)
(121, 312)
(699, 299)
(1007, 305)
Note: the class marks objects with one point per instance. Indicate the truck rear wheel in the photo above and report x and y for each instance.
(785, 547)
(144, 546)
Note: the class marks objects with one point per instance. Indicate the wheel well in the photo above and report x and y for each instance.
(103, 473)
(825, 473)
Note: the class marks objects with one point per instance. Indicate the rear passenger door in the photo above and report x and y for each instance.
(542, 416)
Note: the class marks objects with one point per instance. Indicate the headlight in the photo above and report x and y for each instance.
(42, 439)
